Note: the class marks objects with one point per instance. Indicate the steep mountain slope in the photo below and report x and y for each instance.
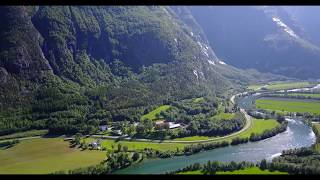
(69, 68)
(307, 18)
(264, 38)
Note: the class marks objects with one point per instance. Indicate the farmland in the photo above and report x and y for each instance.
(224, 116)
(288, 105)
(152, 115)
(290, 85)
(259, 126)
(305, 95)
(252, 170)
(279, 85)
(45, 155)
(138, 146)
(24, 134)
(193, 138)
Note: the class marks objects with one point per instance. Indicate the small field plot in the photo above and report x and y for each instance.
(252, 170)
(224, 116)
(289, 105)
(259, 126)
(45, 155)
(137, 145)
(255, 87)
(152, 115)
(193, 138)
(288, 85)
(305, 95)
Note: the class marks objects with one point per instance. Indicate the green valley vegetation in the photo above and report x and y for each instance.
(232, 168)
(246, 171)
(155, 114)
(289, 85)
(81, 75)
(138, 145)
(279, 86)
(289, 105)
(305, 95)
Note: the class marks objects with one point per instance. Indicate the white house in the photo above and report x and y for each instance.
(173, 125)
(103, 127)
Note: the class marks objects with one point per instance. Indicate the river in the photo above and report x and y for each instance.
(297, 135)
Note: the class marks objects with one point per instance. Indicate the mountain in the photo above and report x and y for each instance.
(268, 39)
(306, 18)
(69, 68)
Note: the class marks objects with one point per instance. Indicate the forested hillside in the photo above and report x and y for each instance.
(70, 68)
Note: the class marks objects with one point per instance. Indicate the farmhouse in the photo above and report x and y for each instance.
(117, 132)
(165, 124)
(103, 127)
(95, 145)
(173, 125)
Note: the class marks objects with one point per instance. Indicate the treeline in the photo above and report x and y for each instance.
(8, 144)
(196, 148)
(297, 161)
(211, 167)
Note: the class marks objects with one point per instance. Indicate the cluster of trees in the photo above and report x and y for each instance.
(211, 167)
(265, 114)
(296, 161)
(238, 140)
(8, 144)
(195, 148)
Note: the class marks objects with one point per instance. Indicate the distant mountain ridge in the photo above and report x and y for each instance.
(265, 38)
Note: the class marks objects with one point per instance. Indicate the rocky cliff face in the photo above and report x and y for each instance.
(265, 38)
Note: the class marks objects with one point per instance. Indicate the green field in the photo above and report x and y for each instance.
(197, 172)
(224, 116)
(152, 114)
(137, 145)
(193, 138)
(252, 170)
(197, 100)
(259, 126)
(289, 105)
(290, 85)
(25, 134)
(45, 155)
(255, 87)
(305, 95)
(279, 85)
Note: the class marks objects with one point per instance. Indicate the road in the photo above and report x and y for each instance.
(248, 125)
